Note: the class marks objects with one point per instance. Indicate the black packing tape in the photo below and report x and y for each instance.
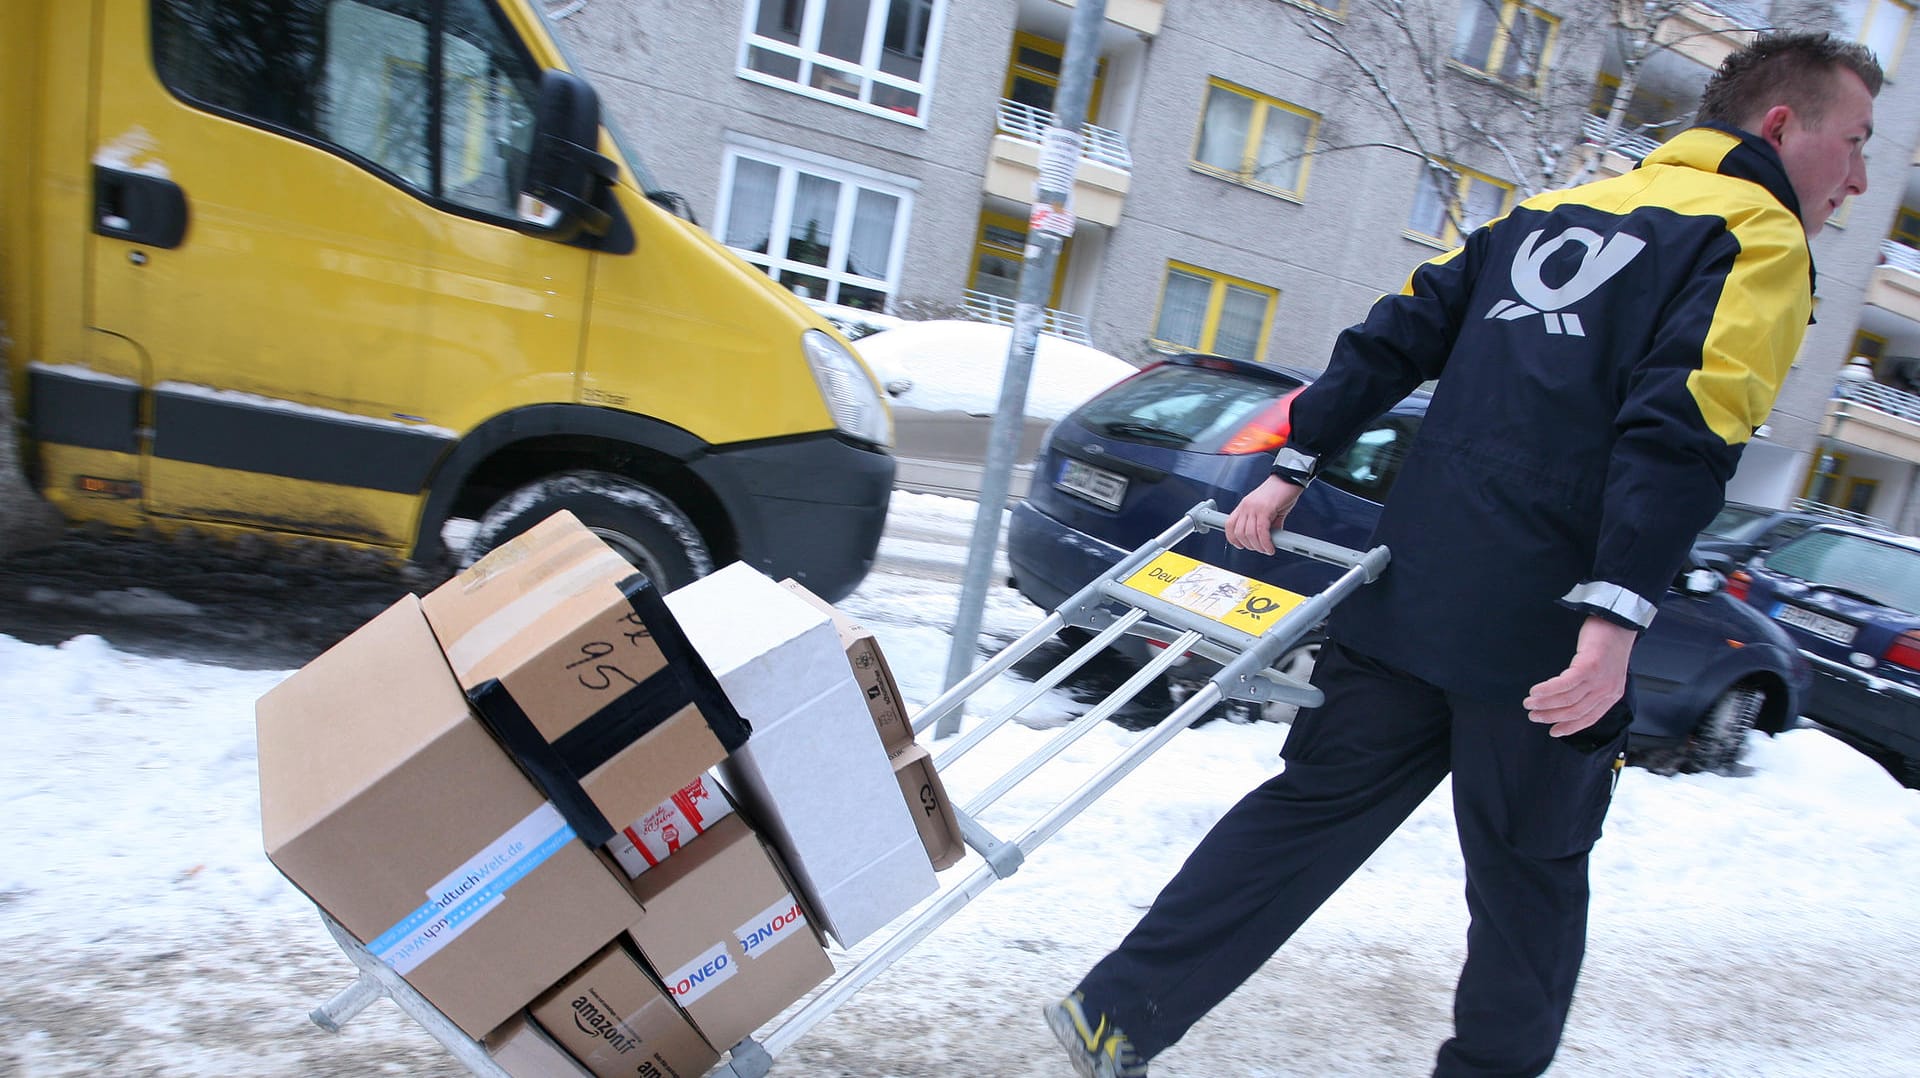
(634, 715)
(728, 725)
(541, 761)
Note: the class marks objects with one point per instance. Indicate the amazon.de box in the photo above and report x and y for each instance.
(814, 777)
(388, 803)
(722, 929)
(614, 1019)
(576, 665)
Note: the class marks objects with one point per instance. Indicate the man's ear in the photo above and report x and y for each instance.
(1773, 124)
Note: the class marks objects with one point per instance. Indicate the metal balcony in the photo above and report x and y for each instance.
(1894, 285)
(988, 307)
(1100, 182)
(1623, 142)
(1875, 417)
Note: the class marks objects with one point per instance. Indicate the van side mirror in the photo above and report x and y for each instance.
(566, 174)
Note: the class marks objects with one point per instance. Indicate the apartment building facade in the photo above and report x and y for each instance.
(1254, 173)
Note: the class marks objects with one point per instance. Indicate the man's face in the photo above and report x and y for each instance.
(1825, 156)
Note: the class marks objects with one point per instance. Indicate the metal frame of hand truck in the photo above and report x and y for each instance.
(1246, 673)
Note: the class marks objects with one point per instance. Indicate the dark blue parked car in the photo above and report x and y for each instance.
(1850, 598)
(1120, 468)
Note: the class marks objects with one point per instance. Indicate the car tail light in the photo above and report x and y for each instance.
(1267, 431)
(1739, 584)
(1905, 650)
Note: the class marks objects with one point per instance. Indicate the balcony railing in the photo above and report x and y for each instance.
(1881, 398)
(1899, 256)
(1594, 128)
(988, 307)
(1029, 124)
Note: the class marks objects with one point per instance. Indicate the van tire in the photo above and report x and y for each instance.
(642, 524)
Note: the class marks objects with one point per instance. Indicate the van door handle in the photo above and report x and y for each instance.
(138, 207)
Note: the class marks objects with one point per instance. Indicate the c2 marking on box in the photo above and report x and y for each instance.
(1252, 606)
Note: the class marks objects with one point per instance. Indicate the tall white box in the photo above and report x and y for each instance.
(813, 774)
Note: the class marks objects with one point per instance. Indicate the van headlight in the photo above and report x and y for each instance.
(852, 398)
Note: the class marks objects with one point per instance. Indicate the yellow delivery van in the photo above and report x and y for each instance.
(351, 269)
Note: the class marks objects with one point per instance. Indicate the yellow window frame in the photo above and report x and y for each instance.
(1449, 228)
(1871, 345)
(981, 246)
(1057, 50)
(1875, 8)
(1503, 39)
(1216, 301)
(1906, 226)
(1256, 131)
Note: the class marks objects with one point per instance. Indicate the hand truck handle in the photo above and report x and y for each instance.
(1371, 562)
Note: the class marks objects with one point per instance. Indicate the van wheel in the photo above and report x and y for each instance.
(1721, 738)
(637, 521)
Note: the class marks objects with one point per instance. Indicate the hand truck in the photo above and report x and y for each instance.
(1242, 625)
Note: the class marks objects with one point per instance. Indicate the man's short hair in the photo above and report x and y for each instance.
(1795, 70)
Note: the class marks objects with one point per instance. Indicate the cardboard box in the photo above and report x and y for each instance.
(524, 1050)
(576, 665)
(613, 1018)
(388, 803)
(920, 785)
(870, 672)
(724, 932)
(650, 839)
(926, 798)
(814, 777)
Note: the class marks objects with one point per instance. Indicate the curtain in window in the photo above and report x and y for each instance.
(1282, 145)
(750, 210)
(1473, 37)
(816, 202)
(1429, 217)
(871, 246)
(1483, 204)
(904, 44)
(1241, 314)
(1183, 309)
(1527, 39)
(843, 29)
(1223, 129)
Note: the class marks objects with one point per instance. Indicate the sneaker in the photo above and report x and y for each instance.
(1097, 1048)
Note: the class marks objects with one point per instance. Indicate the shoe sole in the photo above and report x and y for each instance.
(1061, 1022)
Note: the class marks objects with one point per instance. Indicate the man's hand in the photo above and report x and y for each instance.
(1251, 524)
(1578, 696)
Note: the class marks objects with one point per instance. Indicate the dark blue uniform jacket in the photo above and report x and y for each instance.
(1603, 355)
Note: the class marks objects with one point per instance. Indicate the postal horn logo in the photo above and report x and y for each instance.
(1603, 257)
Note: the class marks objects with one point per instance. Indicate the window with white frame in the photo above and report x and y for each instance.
(1204, 311)
(874, 55)
(1881, 25)
(824, 235)
(1479, 198)
(1253, 138)
(1504, 38)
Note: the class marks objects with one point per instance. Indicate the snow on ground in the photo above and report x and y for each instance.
(959, 366)
(1759, 925)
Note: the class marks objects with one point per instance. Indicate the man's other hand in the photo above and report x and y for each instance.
(1251, 524)
(1578, 696)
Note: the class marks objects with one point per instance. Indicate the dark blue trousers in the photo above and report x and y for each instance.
(1528, 807)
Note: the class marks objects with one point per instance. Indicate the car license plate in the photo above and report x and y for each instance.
(1096, 485)
(1818, 624)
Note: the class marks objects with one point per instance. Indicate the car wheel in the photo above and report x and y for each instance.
(1721, 738)
(638, 522)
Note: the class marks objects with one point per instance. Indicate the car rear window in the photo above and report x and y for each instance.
(1181, 407)
(1731, 519)
(1883, 572)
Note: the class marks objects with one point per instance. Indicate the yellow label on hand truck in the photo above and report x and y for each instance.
(1250, 606)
